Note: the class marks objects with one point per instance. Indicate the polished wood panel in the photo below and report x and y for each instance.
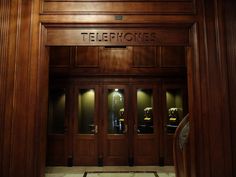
(57, 150)
(60, 56)
(230, 27)
(116, 150)
(116, 7)
(163, 20)
(85, 150)
(145, 56)
(146, 150)
(87, 56)
(115, 59)
(173, 56)
(213, 96)
(168, 149)
(4, 55)
(122, 35)
(129, 60)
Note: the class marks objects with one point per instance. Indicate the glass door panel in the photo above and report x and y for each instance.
(86, 108)
(174, 104)
(116, 117)
(144, 111)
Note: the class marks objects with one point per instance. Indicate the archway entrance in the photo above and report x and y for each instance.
(140, 62)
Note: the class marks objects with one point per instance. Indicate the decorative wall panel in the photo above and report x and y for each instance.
(87, 56)
(173, 56)
(60, 56)
(145, 56)
(117, 7)
(124, 35)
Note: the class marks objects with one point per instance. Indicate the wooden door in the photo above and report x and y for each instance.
(86, 125)
(115, 127)
(146, 124)
(57, 133)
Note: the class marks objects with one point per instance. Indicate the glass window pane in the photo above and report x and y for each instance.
(56, 111)
(86, 103)
(116, 110)
(174, 105)
(144, 111)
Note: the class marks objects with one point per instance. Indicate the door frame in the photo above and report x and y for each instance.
(192, 59)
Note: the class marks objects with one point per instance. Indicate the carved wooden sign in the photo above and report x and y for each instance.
(127, 36)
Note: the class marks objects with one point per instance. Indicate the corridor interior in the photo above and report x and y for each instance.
(109, 119)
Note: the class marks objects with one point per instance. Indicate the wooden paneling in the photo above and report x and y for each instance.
(85, 150)
(116, 150)
(94, 60)
(168, 149)
(173, 56)
(146, 150)
(145, 56)
(87, 56)
(229, 17)
(115, 59)
(5, 127)
(59, 56)
(213, 135)
(18, 86)
(117, 7)
(56, 150)
(122, 35)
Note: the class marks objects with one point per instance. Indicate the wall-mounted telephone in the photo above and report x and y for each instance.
(173, 119)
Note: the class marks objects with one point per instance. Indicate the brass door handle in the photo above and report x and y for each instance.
(95, 129)
(126, 129)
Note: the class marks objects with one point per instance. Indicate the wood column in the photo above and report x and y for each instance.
(18, 88)
(230, 28)
(213, 124)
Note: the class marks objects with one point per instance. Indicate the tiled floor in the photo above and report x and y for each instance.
(166, 171)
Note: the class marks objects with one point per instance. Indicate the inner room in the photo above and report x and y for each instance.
(114, 107)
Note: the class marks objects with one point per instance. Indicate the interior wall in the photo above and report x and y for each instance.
(230, 24)
(18, 87)
(214, 95)
(4, 41)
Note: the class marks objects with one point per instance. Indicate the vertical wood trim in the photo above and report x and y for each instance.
(192, 145)
(223, 67)
(17, 74)
(42, 99)
(215, 116)
(230, 42)
(21, 147)
(31, 158)
(4, 43)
